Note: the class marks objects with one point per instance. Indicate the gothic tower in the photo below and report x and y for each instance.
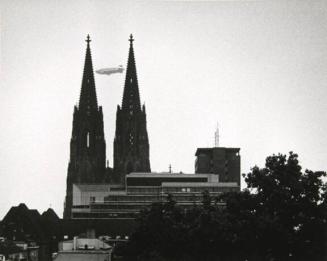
(87, 145)
(131, 144)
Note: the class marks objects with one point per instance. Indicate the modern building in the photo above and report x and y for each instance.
(225, 162)
(83, 249)
(107, 201)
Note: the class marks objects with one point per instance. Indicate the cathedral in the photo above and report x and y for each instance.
(97, 192)
(87, 164)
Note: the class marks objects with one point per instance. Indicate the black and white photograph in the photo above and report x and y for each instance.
(181, 130)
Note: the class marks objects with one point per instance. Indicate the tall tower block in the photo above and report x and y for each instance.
(87, 162)
(131, 144)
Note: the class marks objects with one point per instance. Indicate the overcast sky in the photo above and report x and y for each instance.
(257, 67)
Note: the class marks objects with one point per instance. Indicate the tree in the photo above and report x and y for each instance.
(280, 216)
(290, 209)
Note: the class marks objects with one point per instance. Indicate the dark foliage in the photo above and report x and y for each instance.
(280, 216)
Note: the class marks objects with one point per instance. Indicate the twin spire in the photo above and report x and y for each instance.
(131, 97)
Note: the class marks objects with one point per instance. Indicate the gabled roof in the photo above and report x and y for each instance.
(50, 215)
(27, 219)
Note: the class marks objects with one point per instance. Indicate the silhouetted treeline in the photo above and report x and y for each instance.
(280, 216)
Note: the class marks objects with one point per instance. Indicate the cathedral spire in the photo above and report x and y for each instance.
(87, 163)
(131, 143)
(88, 98)
(131, 96)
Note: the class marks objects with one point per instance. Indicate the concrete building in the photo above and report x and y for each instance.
(108, 201)
(226, 162)
(83, 249)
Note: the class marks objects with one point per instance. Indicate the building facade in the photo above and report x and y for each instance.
(225, 162)
(87, 162)
(83, 249)
(131, 143)
(108, 201)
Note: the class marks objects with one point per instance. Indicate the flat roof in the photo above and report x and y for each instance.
(199, 184)
(165, 175)
(93, 187)
(198, 150)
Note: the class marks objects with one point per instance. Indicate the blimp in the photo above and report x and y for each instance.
(111, 70)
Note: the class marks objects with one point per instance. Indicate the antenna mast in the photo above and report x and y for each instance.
(217, 136)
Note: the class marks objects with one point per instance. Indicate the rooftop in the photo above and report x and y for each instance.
(165, 175)
(206, 150)
(93, 187)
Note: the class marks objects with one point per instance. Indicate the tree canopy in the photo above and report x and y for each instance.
(281, 215)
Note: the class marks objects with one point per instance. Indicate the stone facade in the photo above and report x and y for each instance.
(131, 144)
(87, 162)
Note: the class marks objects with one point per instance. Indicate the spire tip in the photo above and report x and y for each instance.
(131, 39)
(88, 40)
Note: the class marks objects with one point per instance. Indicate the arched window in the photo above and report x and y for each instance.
(131, 138)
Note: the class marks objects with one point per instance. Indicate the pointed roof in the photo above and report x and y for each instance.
(88, 97)
(131, 96)
(29, 218)
(50, 215)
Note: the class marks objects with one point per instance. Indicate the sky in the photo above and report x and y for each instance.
(258, 68)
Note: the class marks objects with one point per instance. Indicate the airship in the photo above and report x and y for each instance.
(111, 70)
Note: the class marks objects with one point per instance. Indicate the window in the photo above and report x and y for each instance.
(92, 199)
(88, 139)
(131, 139)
